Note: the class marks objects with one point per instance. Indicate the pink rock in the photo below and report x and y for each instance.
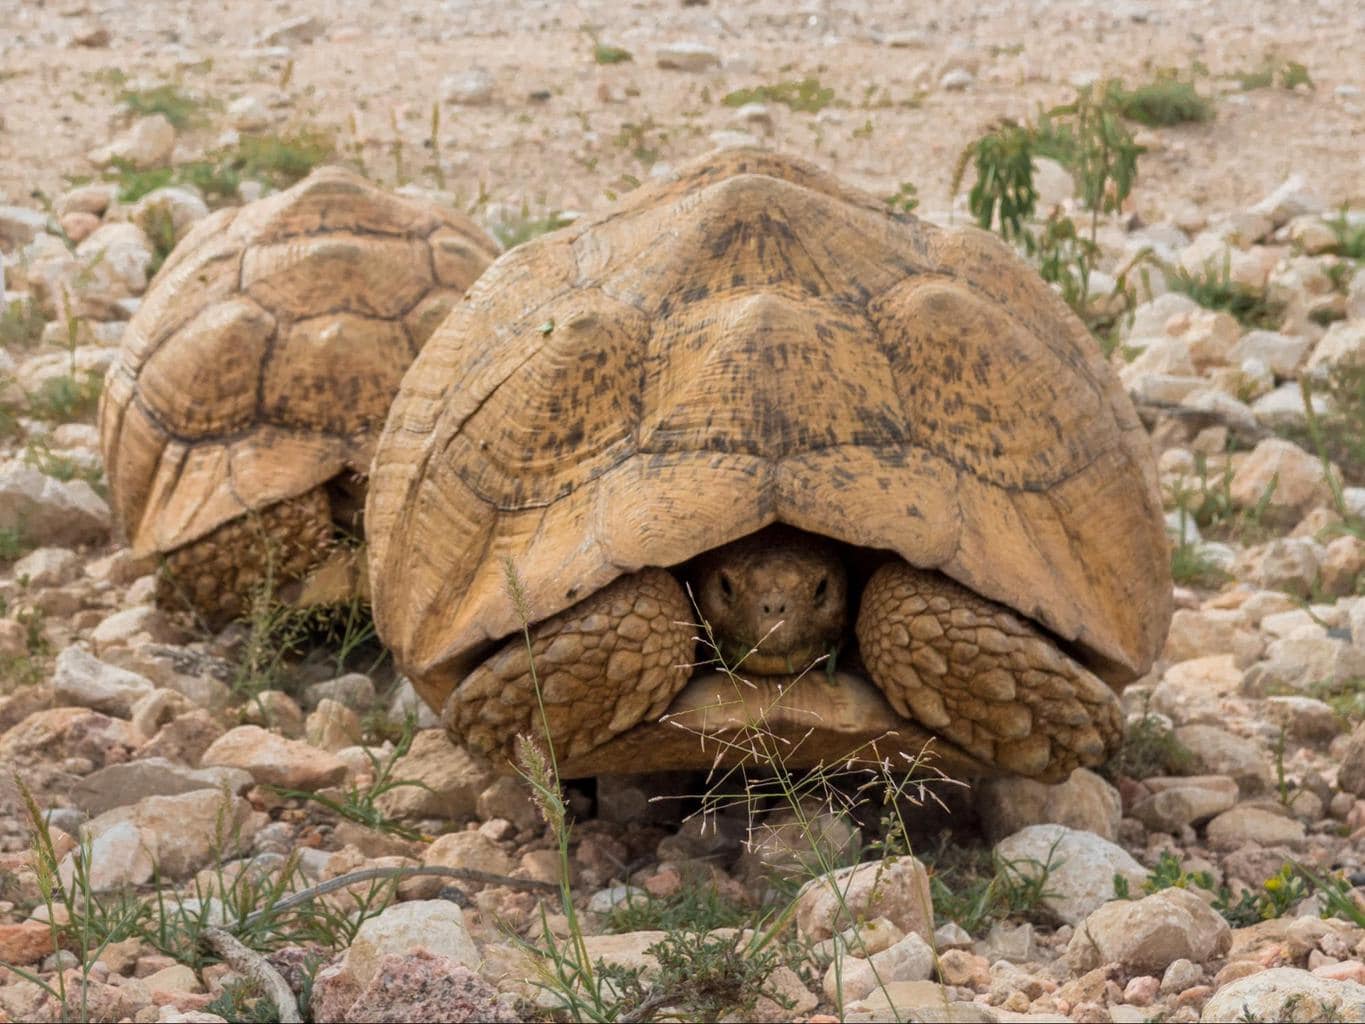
(419, 986)
(78, 225)
(1346, 970)
(1142, 990)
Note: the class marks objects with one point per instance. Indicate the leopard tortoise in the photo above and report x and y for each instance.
(238, 422)
(752, 397)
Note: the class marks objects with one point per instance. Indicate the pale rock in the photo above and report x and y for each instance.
(467, 850)
(1210, 337)
(1220, 752)
(726, 138)
(118, 785)
(178, 207)
(118, 858)
(1194, 690)
(1205, 632)
(1256, 378)
(469, 88)
(1162, 388)
(1143, 990)
(1291, 198)
(143, 621)
(1150, 319)
(93, 198)
(452, 778)
(116, 259)
(1340, 566)
(1080, 867)
(956, 80)
(1282, 353)
(910, 959)
(1283, 407)
(1343, 343)
(19, 225)
(1284, 993)
(1175, 803)
(1165, 355)
(83, 680)
(183, 833)
(293, 32)
(1304, 718)
(1297, 663)
(897, 889)
(355, 690)
(53, 366)
(1181, 528)
(604, 901)
(275, 760)
(176, 978)
(1312, 236)
(1300, 482)
(1150, 934)
(248, 114)
(1355, 298)
(435, 925)
(47, 567)
(1297, 623)
(510, 799)
(1351, 774)
(917, 1000)
(1230, 410)
(1243, 228)
(1288, 564)
(332, 726)
(60, 512)
(148, 143)
(1084, 801)
(1013, 943)
(754, 115)
(53, 734)
(199, 679)
(1244, 824)
(687, 56)
(406, 701)
(951, 935)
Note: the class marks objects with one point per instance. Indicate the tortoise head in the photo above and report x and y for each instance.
(779, 593)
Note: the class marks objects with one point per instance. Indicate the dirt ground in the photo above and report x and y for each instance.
(560, 131)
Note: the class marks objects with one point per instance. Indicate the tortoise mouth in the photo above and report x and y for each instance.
(724, 719)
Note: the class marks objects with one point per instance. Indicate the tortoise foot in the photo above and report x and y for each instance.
(603, 666)
(974, 672)
(218, 575)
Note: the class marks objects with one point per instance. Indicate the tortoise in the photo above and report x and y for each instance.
(752, 410)
(238, 421)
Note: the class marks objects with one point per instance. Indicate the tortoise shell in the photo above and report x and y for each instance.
(263, 358)
(756, 343)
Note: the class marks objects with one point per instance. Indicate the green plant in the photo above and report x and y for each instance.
(1192, 567)
(1150, 748)
(976, 888)
(1166, 100)
(1003, 189)
(242, 1002)
(905, 199)
(13, 544)
(513, 233)
(1338, 434)
(67, 399)
(806, 96)
(178, 107)
(1350, 244)
(1287, 74)
(1213, 288)
(160, 228)
(21, 324)
(604, 54)
(696, 908)
(361, 803)
(39, 454)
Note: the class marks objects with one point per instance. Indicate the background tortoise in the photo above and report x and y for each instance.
(241, 415)
(757, 344)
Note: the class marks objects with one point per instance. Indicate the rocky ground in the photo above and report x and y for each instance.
(1209, 874)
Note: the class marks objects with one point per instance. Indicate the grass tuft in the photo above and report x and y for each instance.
(1165, 101)
(181, 109)
(806, 96)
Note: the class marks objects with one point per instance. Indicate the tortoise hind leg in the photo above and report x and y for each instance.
(604, 665)
(980, 676)
(219, 574)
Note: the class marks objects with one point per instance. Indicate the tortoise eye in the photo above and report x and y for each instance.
(726, 587)
(821, 589)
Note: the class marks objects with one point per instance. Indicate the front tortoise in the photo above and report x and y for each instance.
(238, 422)
(849, 433)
